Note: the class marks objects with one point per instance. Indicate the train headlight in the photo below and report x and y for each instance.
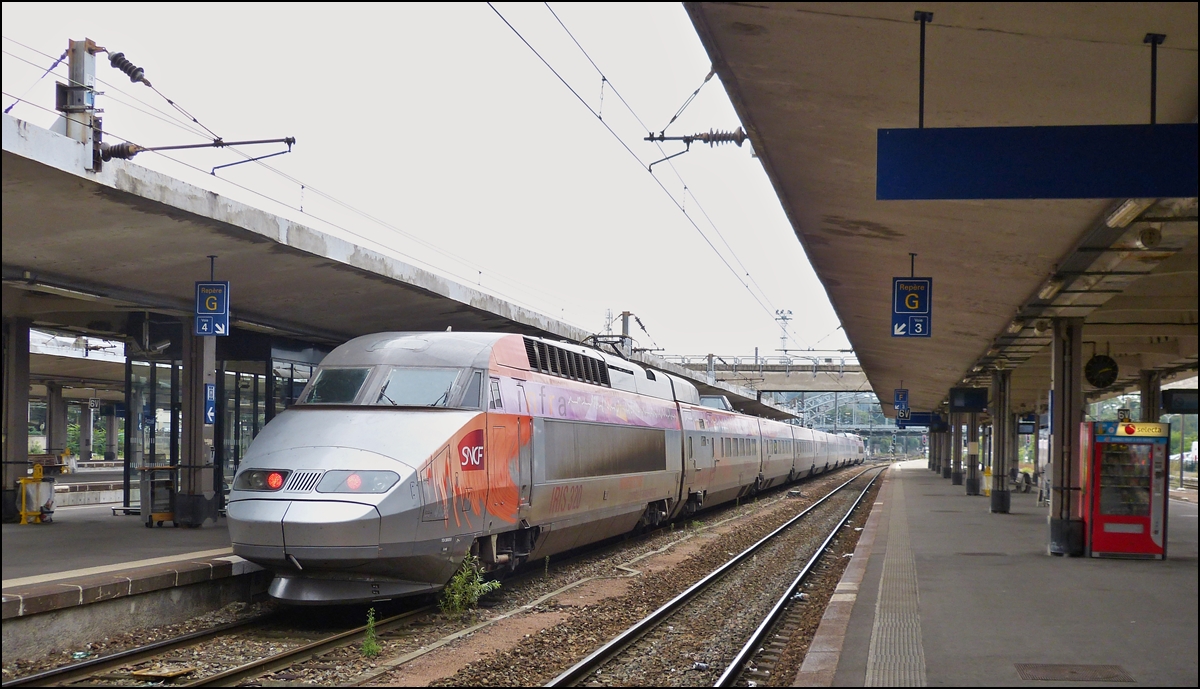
(357, 481)
(261, 479)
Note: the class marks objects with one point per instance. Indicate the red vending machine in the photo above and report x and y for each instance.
(1125, 488)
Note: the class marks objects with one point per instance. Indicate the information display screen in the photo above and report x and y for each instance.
(968, 399)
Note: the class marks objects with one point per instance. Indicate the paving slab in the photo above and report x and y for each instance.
(971, 598)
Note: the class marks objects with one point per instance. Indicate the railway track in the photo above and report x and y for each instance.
(651, 648)
(107, 670)
(119, 668)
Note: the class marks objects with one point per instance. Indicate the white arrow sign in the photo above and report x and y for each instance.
(210, 415)
(899, 328)
(220, 328)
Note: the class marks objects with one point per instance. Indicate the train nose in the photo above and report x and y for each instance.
(311, 527)
(313, 534)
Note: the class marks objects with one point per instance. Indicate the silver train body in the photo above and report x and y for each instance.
(409, 451)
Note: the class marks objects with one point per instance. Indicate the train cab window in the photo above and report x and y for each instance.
(418, 387)
(336, 386)
(470, 398)
(494, 401)
(650, 374)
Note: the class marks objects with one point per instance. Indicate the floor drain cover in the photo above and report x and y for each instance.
(1073, 673)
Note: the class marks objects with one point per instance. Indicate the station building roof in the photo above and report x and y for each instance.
(814, 82)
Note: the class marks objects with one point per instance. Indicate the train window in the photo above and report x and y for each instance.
(470, 398)
(495, 402)
(336, 386)
(418, 387)
(650, 374)
(690, 453)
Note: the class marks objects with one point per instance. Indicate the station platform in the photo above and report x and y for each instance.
(942, 592)
(89, 569)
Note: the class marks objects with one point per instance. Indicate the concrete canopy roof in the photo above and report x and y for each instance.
(813, 82)
(137, 238)
(85, 251)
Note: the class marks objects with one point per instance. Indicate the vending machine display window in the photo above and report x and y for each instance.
(1125, 479)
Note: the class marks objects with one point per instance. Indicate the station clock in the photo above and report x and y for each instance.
(1100, 371)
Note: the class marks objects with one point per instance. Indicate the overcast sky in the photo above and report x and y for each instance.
(438, 121)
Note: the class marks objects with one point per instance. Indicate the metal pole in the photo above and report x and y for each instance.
(1154, 39)
(628, 348)
(922, 17)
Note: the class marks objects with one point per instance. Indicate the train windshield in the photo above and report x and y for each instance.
(418, 387)
(336, 386)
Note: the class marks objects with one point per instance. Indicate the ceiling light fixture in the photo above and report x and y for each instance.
(1051, 288)
(1127, 212)
(1016, 326)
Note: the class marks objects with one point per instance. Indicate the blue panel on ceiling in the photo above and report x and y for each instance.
(1090, 162)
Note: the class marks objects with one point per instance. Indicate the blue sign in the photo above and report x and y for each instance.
(912, 307)
(1060, 162)
(900, 398)
(915, 418)
(210, 404)
(212, 309)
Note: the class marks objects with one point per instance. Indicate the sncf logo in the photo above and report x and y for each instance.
(470, 451)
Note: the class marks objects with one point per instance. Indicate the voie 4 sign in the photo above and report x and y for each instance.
(912, 307)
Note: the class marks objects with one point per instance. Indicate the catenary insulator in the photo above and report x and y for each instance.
(123, 151)
(714, 137)
(134, 72)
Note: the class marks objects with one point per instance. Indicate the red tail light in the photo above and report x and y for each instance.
(354, 482)
(275, 480)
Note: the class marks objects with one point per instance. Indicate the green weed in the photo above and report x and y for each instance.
(465, 588)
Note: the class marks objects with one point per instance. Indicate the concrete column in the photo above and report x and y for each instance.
(1151, 389)
(1002, 429)
(86, 432)
(1066, 413)
(196, 501)
(954, 443)
(56, 419)
(16, 411)
(972, 478)
(947, 442)
(110, 434)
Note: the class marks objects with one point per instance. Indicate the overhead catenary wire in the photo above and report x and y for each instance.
(304, 186)
(49, 69)
(687, 190)
(380, 245)
(631, 153)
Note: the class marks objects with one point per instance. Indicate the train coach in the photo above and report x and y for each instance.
(408, 451)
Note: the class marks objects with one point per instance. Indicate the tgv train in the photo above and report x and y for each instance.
(408, 451)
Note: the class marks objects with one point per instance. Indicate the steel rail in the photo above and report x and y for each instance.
(606, 652)
(279, 661)
(735, 666)
(66, 674)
